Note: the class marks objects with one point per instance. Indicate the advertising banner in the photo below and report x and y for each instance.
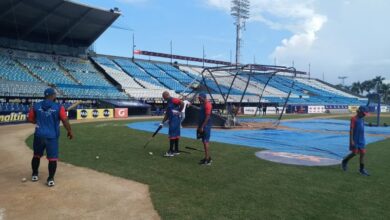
(297, 109)
(251, 110)
(94, 113)
(121, 113)
(336, 106)
(271, 110)
(353, 108)
(9, 117)
(316, 109)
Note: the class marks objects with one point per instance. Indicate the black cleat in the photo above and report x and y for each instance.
(344, 166)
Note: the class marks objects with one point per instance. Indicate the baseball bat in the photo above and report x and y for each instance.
(154, 134)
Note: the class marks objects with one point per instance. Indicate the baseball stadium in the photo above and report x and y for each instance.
(153, 134)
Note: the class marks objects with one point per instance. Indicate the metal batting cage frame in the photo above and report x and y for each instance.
(243, 73)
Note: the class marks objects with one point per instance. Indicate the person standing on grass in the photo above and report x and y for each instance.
(173, 113)
(357, 141)
(264, 110)
(204, 126)
(47, 116)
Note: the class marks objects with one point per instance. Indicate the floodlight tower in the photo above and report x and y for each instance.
(240, 12)
(342, 78)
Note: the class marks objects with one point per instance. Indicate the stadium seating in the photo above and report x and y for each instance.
(14, 107)
(10, 70)
(149, 93)
(47, 70)
(90, 92)
(324, 87)
(162, 76)
(143, 78)
(116, 73)
(191, 72)
(28, 74)
(132, 86)
(304, 91)
(175, 73)
(84, 72)
(104, 61)
(21, 89)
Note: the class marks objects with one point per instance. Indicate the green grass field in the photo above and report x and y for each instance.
(238, 185)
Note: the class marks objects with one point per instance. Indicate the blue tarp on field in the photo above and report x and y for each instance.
(327, 138)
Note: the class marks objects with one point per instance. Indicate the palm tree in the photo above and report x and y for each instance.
(385, 92)
(378, 81)
(367, 85)
(356, 88)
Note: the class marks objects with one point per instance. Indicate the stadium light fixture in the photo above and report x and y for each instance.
(171, 46)
(203, 55)
(133, 46)
(240, 12)
(342, 78)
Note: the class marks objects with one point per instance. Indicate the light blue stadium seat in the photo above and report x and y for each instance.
(47, 70)
(21, 89)
(91, 92)
(11, 70)
(85, 73)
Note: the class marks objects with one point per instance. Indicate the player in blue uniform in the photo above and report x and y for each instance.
(47, 116)
(357, 142)
(204, 126)
(173, 114)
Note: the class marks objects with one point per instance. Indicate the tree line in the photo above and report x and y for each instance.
(375, 85)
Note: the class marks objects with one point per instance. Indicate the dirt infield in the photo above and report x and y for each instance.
(80, 193)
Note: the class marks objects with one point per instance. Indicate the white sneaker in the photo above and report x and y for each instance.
(169, 154)
(50, 183)
(34, 178)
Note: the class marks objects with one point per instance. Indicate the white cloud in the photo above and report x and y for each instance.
(338, 37)
(221, 4)
(296, 16)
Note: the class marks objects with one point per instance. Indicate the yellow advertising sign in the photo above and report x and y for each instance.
(94, 113)
(353, 108)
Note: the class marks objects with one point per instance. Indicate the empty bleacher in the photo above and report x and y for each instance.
(175, 73)
(21, 89)
(28, 76)
(84, 72)
(152, 89)
(90, 92)
(13, 107)
(162, 76)
(143, 78)
(10, 70)
(46, 70)
(116, 73)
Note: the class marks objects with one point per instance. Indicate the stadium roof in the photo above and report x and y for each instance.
(54, 21)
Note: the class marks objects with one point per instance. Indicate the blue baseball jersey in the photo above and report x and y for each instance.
(173, 112)
(357, 124)
(47, 116)
(205, 110)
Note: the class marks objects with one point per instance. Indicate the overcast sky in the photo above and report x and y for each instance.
(337, 37)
